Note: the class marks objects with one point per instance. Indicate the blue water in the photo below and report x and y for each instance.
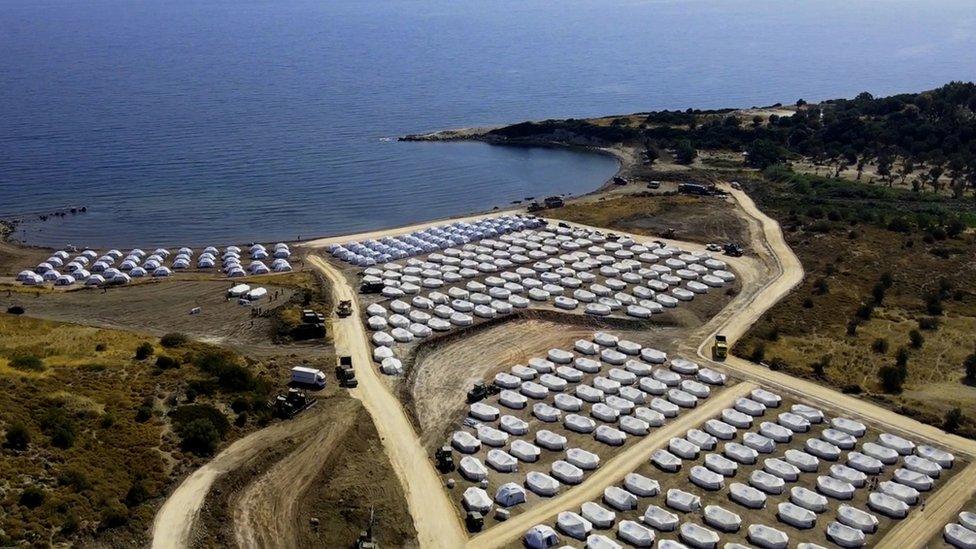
(187, 121)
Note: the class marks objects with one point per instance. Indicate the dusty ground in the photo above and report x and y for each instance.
(697, 219)
(270, 499)
(159, 308)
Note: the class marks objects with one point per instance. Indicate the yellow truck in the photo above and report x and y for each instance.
(720, 349)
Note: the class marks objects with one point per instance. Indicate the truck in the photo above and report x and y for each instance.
(344, 309)
(445, 459)
(474, 520)
(720, 349)
(481, 390)
(345, 372)
(732, 250)
(291, 403)
(302, 375)
(371, 287)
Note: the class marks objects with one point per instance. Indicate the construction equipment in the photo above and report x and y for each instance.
(481, 390)
(344, 309)
(371, 287)
(366, 539)
(668, 233)
(720, 349)
(445, 459)
(732, 250)
(291, 403)
(345, 372)
(475, 521)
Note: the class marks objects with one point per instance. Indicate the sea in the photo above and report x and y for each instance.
(188, 122)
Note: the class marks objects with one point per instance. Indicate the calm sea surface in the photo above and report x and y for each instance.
(197, 122)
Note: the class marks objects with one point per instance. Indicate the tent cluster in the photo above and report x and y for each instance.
(373, 252)
(566, 269)
(838, 462)
(604, 388)
(115, 267)
(232, 260)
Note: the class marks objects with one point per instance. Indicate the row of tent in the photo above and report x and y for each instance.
(373, 252)
(94, 270)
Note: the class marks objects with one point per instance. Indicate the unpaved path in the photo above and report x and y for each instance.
(433, 513)
(173, 525)
(265, 515)
(609, 473)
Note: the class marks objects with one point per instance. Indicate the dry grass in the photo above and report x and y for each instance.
(692, 218)
(810, 324)
(117, 460)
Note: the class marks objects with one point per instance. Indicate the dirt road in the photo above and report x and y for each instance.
(265, 514)
(611, 472)
(433, 513)
(173, 525)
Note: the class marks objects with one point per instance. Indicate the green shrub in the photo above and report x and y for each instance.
(144, 413)
(144, 350)
(916, 339)
(100, 347)
(758, 353)
(137, 494)
(970, 365)
(952, 420)
(880, 345)
(184, 415)
(852, 389)
(928, 323)
(17, 437)
(114, 515)
(56, 424)
(27, 363)
(173, 339)
(892, 379)
(75, 479)
(165, 362)
(32, 497)
(200, 437)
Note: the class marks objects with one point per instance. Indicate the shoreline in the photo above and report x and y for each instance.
(624, 156)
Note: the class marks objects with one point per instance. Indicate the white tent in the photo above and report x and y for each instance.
(513, 425)
(540, 537)
(471, 468)
(887, 505)
(640, 485)
(524, 451)
(64, 280)
(698, 536)
(959, 536)
(808, 499)
(619, 499)
(845, 536)
(747, 496)
(771, 484)
(782, 469)
(881, 453)
(635, 534)
(502, 461)
(796, 516)
(509, 495)
(541, 483)
(476, 499)
(566, 472)
(597, 515)
(721, 518)
(609, 435)
(682, 501)
(856, 518)
(767, 537)
(660, 519)
(573, 525)
(95, 280)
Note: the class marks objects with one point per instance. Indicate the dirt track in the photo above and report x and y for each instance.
(173, 525)
(266, 513)
(433, 514)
